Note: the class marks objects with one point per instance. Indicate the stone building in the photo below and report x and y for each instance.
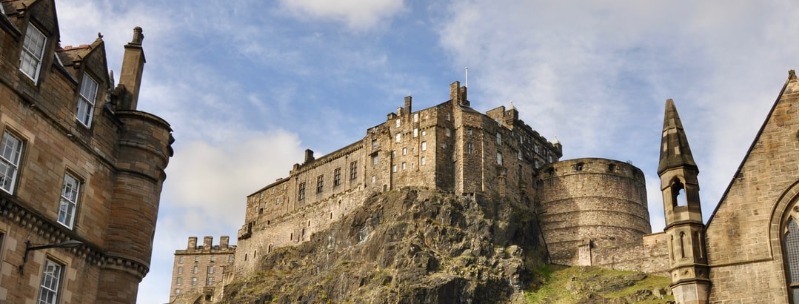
(199, 270)
(449, 146)
(748, 251)
(80, 166)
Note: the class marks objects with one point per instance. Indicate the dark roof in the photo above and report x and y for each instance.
(674, 148)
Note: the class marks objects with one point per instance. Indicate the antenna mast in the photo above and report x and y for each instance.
(466, 81)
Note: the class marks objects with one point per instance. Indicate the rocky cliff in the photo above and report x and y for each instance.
(425, 246)
(406, 246)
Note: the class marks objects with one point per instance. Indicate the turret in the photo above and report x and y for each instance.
(144, 149)
(684, 227)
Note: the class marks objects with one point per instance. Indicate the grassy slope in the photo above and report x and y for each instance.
(594, 285)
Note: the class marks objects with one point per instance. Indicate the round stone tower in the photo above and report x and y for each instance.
(591, 203)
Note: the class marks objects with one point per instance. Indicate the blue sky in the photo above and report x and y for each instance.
(248, 85)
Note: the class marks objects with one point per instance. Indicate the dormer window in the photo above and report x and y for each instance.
(88, 93)
(32, 52)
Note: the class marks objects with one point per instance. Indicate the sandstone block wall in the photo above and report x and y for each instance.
(745, 233)
(595, 202)
(114, 219)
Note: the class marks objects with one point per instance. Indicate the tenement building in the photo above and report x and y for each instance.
(199, 270)
(81, 168)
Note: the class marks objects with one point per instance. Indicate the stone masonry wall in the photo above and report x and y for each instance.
(199, 270)
(745, 233)
(114, 221)
(450, 147)
(591, 202)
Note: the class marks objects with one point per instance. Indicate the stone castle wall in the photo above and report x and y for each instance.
(591, 204)
(199, 270)
(448, 146)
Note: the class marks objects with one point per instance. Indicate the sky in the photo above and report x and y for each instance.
(247, 85)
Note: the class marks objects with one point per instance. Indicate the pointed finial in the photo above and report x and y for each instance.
(99, 35)
(791, 75)
(511, 104)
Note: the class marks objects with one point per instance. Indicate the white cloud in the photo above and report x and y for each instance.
(356, 14)
(217, 177)
(594, 74)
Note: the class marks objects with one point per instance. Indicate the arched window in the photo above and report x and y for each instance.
(678, 198)
(791, 240)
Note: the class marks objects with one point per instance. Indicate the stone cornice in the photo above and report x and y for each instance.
(39, 225)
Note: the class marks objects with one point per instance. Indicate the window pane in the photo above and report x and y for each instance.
(32, 50)
(792, 251)
(48, 290)
(9, 161)
(88, 94)
(69, 201)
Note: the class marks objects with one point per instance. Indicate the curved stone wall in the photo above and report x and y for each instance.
(591, 204)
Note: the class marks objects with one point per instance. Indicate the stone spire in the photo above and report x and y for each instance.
(674, 148)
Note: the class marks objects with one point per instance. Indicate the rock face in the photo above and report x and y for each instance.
(406, 246)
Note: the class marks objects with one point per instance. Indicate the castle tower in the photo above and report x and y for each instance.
(684, 228)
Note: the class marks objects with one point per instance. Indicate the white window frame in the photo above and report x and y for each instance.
(10, 154)
(423, 161)
(51, 282)
(32, 52)
(84, 111)
(398, 137)
(499, 158)
(424, 146)
(398, 123)
(404, 166)
(404, 151)
(68, 205)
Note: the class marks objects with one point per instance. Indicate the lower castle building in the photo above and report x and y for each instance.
(199, 270)
(593, 212)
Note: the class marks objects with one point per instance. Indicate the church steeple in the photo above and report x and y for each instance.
(683, 213)
(674, 149)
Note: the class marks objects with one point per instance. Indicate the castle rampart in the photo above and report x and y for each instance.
(591, 204)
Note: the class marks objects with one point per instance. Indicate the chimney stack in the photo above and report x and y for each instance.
(192, 243)
(308, 156)
(132, 69)
(408, 102)
(223, 241)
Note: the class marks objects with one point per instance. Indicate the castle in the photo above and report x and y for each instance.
(593, 212)
(81, 169)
